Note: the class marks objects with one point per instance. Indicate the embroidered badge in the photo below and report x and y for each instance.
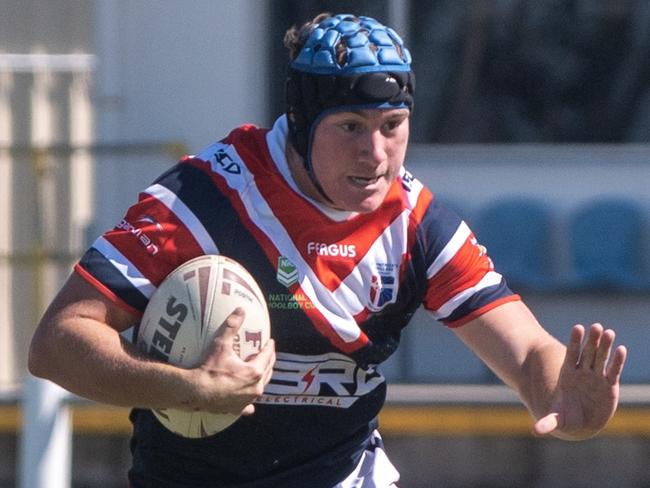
(287, 272)
(383, 286)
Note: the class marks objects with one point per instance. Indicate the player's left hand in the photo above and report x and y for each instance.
(587, 392)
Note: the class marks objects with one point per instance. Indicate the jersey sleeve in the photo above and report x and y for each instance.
(157, 234)
(462, 283)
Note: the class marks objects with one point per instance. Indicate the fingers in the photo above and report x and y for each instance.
(232, 324)
(595, 352)
(248, 409)
(588, 355)
(266, 358)
(228, 383)
(546, 425)
(603, 351)
(615, 369)
(267, 354)
(587, 391)
(575, 344)
(225, 337)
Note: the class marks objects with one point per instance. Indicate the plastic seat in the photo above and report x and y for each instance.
(517, 232)
(606, 243)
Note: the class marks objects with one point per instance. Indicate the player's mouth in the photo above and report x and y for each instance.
(364, 181)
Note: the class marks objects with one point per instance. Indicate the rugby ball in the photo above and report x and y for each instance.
(182, 318)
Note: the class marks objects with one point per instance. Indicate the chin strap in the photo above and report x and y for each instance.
(316, 183)
(309, 168)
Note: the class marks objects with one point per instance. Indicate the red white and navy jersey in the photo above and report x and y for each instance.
(340, 287)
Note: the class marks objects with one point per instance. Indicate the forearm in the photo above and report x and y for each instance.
(92, 360)
(519, 350)
(539, 376)
(78, 346)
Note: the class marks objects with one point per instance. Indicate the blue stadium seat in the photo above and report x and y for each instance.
(606, 243)
(518, 234)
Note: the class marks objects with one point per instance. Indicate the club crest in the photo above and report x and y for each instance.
(383, 287)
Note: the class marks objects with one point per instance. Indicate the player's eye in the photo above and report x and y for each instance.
(394, 124)
(349, 126)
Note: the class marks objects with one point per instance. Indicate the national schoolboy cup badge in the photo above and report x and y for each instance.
(287, 272)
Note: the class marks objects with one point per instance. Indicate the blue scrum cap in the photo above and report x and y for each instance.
(369, 46)
(345, 61)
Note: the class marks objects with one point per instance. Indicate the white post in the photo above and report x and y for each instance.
(80, 186)
(7, 359)
(46, 442)
(45, 458)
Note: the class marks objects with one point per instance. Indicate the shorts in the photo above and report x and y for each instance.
(374, 469)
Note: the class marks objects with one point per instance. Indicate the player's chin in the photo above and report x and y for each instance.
(361, 200)
(373, 200)
(366, 205)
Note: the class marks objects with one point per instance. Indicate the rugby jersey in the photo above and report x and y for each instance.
(340, 287)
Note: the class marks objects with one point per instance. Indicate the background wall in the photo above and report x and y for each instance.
(186, 71)
(170, 76)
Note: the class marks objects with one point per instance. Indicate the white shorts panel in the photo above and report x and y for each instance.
(374, 469)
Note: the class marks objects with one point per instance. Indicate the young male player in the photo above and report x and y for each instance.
(345, 244)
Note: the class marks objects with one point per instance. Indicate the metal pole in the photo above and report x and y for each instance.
(46, 441)
(7, 353)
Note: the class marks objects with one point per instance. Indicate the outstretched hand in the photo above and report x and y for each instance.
(587, 392)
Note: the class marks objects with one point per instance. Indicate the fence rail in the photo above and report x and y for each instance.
(45, 418)
(173, 148)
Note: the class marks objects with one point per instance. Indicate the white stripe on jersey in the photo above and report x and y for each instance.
(450, 250)
(491, 278)
(393, 238)
(124, 266)
(335, 312)
(185, 215)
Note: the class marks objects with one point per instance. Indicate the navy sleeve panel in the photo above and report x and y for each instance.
(107, 276)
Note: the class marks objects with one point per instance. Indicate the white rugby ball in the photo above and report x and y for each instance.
(182, 318)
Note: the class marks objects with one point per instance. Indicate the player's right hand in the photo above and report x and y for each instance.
(225, 383)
